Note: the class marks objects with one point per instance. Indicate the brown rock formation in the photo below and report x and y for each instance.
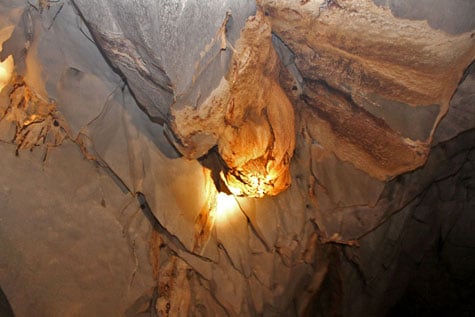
(248, 116)
(376, 85)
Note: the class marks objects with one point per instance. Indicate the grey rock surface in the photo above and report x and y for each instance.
(461, 113)
(451, 16)
(72, 243)
(169, 51)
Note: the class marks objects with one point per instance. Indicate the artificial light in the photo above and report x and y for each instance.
(226, 206)
(6, 70)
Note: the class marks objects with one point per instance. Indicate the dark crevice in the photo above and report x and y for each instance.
(5, 307)
(213, 161)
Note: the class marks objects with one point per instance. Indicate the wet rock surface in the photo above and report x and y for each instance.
(360, 113)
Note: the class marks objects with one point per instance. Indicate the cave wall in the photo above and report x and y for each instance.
(120, 114)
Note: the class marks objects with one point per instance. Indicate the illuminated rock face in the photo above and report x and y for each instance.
(6, 68)
(248, 115)
(230, 97)
(340, 134)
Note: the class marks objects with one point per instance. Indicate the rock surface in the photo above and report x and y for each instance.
(346, 129)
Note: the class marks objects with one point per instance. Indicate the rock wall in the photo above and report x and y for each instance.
(278, 158)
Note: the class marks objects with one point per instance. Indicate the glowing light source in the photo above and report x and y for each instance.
(6, 70)
(226, 206)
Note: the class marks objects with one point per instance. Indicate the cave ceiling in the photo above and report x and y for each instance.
(127, 127)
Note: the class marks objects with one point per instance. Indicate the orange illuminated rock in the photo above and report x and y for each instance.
(37, 122)
(248, 116)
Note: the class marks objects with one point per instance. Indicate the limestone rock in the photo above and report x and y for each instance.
(353, 120)
(249, 116)
(367, 74)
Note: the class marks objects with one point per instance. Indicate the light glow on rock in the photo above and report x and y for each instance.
(226, 206)
(252, 185)
(6, 70)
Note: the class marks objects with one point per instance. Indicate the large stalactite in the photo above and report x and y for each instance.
(248, 116)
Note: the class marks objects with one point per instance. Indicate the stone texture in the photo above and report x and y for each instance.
(410, 252)
(461, 114)
(160, 50)
(77, 245)
(238, 107)
(363, 105)
(451, 16)
(248, 116)
(355, 57)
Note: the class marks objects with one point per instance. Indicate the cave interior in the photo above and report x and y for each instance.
(237, 158)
